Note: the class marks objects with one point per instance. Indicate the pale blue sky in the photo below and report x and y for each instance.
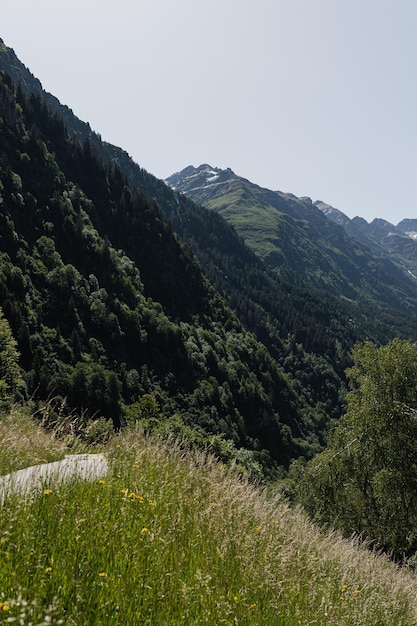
(313, 97)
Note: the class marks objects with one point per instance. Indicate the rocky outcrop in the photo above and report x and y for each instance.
(87, 467)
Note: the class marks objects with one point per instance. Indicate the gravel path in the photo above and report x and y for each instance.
(81, 466)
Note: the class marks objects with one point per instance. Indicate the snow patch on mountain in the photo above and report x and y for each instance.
(192, 179)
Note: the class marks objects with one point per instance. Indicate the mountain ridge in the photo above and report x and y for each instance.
(382, 237)
(317, 248)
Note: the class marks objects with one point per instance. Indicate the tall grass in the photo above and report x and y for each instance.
(170, 538)
(24, 443)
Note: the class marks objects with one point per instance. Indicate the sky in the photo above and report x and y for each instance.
(313, 97)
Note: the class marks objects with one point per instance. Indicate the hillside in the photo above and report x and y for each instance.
(169, 537)
(119, 289)
(166, 369)
(108, 306)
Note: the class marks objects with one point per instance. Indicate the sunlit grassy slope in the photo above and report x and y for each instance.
(170, 538)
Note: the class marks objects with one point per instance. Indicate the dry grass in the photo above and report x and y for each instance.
(24, 443)
(296, 573)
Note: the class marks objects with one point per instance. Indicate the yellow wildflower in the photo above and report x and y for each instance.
(48, 570)
(144, 530)
(47, 492)
(102, 574)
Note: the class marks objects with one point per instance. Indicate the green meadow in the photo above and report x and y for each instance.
(173, 537)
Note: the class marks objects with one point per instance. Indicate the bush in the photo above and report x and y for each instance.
(366, 481)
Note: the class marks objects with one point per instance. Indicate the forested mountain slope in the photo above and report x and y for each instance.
(109, 305)
(228, 262)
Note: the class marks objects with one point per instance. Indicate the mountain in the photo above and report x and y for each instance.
(118, 288)
(398, 243)
(302, 241)
(307, 336)
(408, 227)
(108, 306)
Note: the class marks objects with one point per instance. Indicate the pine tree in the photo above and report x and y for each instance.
(9, 367)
